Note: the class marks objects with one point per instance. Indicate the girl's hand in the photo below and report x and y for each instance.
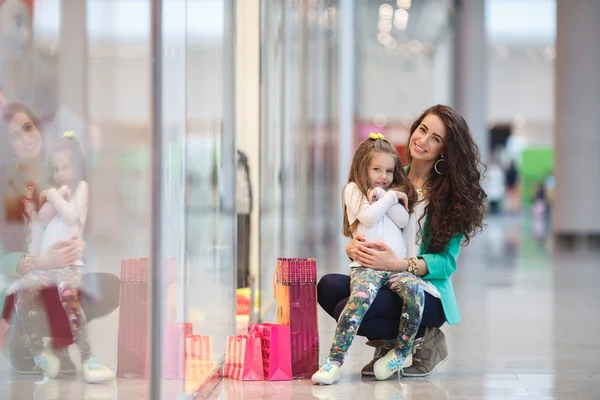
(402, 199)
(378, 256)
(43, 197)
(64, 192)
(372, 195)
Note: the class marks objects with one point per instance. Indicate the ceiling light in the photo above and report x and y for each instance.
(386, 11)
(415, 46)
(384, 38)
(403, 4)
(385, 25)
(502, 51)
(380, 120)
(549, 53)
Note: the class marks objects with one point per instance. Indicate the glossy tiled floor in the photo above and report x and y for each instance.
(530, 330)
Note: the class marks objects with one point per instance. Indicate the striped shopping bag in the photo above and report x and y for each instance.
(243, 359)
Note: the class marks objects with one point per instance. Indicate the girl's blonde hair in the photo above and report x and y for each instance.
(359, 175)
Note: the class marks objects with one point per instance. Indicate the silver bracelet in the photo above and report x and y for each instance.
(29, 263)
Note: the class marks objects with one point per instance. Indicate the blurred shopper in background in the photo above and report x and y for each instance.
(513, 189)
(495, 186)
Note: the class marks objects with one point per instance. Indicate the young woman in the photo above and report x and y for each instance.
(445, 168)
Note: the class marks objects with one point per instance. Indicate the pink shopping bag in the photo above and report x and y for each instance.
(198, 348)
(243, 359)
(276, 350)
(173, 359)
(296, 302)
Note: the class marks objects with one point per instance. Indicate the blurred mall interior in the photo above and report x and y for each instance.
(218, 136)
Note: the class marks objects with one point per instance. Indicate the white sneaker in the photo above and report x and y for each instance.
(47, 389)
(387, 365)
(49, 363)
(328, 374)
(96, 372)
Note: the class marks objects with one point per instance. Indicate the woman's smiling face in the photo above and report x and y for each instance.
(24, 137)
(427, 141)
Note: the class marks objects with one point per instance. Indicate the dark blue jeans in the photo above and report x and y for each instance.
(383, 318)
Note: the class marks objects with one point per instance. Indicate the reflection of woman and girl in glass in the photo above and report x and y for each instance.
(45, 214)
(399, 291)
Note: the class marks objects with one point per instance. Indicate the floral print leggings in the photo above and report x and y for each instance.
(29, 309)
(365, 283)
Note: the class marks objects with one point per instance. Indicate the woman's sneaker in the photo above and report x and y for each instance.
(49, 363)
(328, 374)
(96, 372)
(387, 365)
(429, 353)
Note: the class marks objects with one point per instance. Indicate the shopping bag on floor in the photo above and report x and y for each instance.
(276, 351)
(133, 319)
(199, 348)
(174, 349)
(295, 294)
(243, 359)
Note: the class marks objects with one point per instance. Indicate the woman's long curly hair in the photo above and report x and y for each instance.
(455, 198)
(359, 175)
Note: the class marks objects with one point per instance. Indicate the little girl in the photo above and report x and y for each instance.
(62, 215)
(376, 184)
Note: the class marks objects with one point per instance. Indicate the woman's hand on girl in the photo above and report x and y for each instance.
(62, 254)
(353, 244)
(377, 256)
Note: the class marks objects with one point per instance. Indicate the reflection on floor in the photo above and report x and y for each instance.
(530, 329)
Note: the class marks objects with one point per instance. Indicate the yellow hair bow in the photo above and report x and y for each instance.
(68, 134)
(376, 136)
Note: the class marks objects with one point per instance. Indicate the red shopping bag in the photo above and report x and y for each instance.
(243, 359)
(296, 301)
(199, 348)
(276, 351)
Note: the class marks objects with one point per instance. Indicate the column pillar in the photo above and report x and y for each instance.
(470, 90)
(248, 111)
(73, 59)
(577, 133)
(346, 113)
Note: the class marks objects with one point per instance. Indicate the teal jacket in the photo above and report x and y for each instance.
(8, 272)
(441, 266)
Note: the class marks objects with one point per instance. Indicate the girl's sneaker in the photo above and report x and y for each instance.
(328, 374)
(96, 372)
(49, 363)
(387, 365)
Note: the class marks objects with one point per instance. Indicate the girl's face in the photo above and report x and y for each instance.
(427, 142)
(62, 168)
(24, 138)
(381, 170)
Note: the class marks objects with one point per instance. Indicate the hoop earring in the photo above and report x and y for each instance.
(435, 166)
